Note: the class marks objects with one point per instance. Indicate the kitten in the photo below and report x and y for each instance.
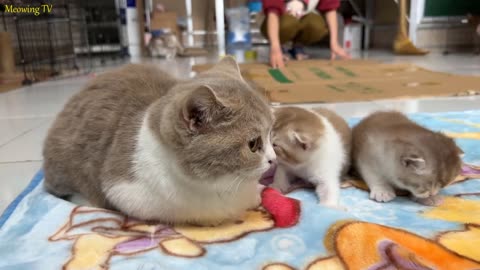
(157, 148)
(391, 152)
(313, 145)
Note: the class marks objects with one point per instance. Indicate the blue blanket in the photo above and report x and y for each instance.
(40, 231)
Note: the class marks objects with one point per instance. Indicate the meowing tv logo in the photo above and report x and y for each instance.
(27, 9)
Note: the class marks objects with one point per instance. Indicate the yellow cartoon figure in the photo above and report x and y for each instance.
(100, 234)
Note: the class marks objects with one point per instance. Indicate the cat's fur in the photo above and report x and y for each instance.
(156, 148)
(390, 152)
(313, 145)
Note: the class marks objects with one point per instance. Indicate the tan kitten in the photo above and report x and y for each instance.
(313, 145)
(156, 148)
(391, 152)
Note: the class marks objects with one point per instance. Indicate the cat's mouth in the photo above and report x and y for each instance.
(267, 177)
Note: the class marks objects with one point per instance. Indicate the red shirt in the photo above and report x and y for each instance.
(278, 6)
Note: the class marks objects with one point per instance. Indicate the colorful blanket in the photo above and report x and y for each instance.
(39, 231)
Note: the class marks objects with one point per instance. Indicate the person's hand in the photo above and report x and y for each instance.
(276, 57)
(337, 51)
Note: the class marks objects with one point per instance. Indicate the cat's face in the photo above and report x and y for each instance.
(424, 173)
(295, 134)
(221, 126)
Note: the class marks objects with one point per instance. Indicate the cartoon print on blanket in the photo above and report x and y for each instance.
(100, 234)
(363, 245)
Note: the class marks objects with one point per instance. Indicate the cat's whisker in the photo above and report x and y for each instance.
(239, 184)
(230, 186)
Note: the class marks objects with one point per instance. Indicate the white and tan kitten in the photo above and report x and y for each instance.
(313, 145)
(390, 152)
(156, 148)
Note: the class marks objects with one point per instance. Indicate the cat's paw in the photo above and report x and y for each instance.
(435, 200)
(210, 222)
(382, 195)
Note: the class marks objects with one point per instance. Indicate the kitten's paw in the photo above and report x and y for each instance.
(435, 200)
(382, 195)
(334, 206)
(279, 186)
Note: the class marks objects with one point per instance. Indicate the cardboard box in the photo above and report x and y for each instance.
(10, 81)
(164, 20)
(7, 55)
(317, 81)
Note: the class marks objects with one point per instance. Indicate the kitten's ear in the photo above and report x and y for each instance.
(228, 66)
(301, 141)
(200, 108)
(415, 163)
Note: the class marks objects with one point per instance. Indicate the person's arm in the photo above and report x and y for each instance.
(335, 48)
(273, 30)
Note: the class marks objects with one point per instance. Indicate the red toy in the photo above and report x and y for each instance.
(284, 210)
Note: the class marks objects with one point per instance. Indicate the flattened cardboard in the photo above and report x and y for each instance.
(317, 81)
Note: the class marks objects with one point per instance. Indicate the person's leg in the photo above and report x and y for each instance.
(402, 44)
(289, 27)
(312, 29)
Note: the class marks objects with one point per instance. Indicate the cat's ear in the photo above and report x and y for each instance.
(200, 108)
(301, 141)
(228, 66)
(414, 163)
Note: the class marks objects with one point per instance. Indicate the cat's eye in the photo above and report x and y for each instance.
(255, 144)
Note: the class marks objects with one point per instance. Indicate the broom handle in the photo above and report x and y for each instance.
(402, 21)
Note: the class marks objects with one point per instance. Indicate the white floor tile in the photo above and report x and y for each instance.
(14, 177)
(27, 147)
(13, 127)
(39, 100)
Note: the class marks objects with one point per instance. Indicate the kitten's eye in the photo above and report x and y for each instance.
(255, 144)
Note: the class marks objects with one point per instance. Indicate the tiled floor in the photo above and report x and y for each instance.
(26, 114)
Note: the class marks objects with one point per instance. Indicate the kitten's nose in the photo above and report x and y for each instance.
(270, 154)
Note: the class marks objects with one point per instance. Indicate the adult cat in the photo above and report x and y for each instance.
(156, 148)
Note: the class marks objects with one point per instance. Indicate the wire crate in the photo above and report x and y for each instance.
(44, 43)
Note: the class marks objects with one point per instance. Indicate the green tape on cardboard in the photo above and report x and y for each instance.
(336, 88)
(347, 72)
(294, 74)
(278, 76)
(320, 73)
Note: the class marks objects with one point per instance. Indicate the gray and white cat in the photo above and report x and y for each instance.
(390, 152)
(156, 148)
(313, 145)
